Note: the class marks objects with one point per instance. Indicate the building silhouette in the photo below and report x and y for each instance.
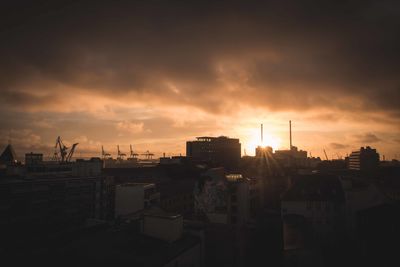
(219, 151)
(263, 151)
(364, 159)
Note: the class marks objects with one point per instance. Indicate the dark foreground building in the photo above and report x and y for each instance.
(36, 207)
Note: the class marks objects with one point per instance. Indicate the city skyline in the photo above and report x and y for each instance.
(157, 74)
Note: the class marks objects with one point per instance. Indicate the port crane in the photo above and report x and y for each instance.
(148, 155)
(120, 155)
(104, 154)
(61, 153)
(133, 155)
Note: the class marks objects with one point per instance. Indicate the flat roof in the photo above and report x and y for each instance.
(124, 247)
(317, 187)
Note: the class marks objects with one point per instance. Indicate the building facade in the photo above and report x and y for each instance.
(219, 151)
(365, 159)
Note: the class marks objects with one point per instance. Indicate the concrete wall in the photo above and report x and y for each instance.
(91, 167)
(128, 199)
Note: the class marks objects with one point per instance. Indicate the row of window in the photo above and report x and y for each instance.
(318, 205)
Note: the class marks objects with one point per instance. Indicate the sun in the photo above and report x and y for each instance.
(254, 140)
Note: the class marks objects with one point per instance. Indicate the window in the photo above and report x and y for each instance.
(233, 219)
(328, 207)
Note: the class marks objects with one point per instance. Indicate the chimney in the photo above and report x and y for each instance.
(262, 134)
(290, 133)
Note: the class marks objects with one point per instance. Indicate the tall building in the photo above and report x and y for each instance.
(364, 159)
(219, 151)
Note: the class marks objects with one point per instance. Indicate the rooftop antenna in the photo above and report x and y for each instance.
(290, 133)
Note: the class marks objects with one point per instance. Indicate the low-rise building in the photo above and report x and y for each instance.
(291, 157)
(359, 194)
(226, 198)
(320, 200)
(131, 198)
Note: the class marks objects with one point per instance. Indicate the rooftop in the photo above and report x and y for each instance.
(124, 247)
(210, 138)
(317, 187)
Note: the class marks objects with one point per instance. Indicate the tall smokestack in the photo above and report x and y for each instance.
(290, 132)
(261, 134)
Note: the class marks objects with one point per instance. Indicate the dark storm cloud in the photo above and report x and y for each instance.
(338, 146)
(280, 55)
(367, 138)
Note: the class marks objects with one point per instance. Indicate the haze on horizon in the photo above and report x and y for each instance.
(157, 73)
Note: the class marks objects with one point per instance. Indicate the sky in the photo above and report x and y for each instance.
(155, 74)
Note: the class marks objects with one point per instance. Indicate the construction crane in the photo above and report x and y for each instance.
(61, 153)
(148, 155)
(60, 150)
(133, 155)
(120, 155)
(104, 154)
(325, 155)
(71, 152)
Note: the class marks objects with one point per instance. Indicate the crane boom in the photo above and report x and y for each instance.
(61, 153)
(104, 154)
(71, 152)
(148, 154)
(120, 155)
(325, 155)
